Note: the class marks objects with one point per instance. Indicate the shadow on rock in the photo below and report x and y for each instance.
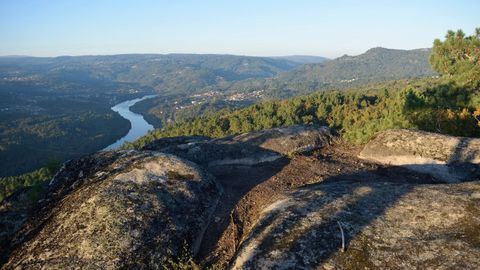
(391, 218)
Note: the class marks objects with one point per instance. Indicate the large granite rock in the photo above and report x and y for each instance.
(450, 159)
(248, 148)
(123, 209)
(385, 226)
(289, 140)
(250, 202)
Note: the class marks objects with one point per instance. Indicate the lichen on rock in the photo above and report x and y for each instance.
(133, 215)
(387, 225)
(450, 159)
(273, 199)
(249, 148)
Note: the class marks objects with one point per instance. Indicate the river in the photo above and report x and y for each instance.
(139, 127)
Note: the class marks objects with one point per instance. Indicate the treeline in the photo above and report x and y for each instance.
(357, 113)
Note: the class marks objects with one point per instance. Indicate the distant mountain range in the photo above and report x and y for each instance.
(186, 73)
(171, 73)
(304, 59)
(376, 64)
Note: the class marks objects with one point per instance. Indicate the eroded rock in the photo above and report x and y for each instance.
(448, 158)
(248, 148)
(290, 140)
(278, 210)
(385, 225)
(137, 210)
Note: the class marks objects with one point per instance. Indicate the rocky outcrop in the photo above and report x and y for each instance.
(450, 159)
(118, 209)
(248, 148)
(296, 139)
(284, 198)
(384, 225)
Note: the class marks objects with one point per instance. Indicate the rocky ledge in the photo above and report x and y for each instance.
(359, 225)
(283, 198)
(116, 210)
(451, 159)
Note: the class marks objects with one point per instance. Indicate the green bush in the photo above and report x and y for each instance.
(35, 179)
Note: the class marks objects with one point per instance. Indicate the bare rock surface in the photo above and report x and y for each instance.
(295, 139)
(273, 199)
(385, 225)
(248, 148)
(450, 159)
(116, 210)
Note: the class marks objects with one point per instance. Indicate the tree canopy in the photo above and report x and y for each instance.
(458, 57)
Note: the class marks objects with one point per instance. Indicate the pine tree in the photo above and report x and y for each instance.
(458, 57)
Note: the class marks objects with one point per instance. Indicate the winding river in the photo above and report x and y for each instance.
(139, 127)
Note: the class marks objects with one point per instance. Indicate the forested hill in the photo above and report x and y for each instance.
(167, 73)
(188, 73)
(375, 65)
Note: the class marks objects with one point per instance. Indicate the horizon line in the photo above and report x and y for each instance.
(193, 53)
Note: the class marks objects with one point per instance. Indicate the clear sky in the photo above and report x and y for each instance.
(245, 27)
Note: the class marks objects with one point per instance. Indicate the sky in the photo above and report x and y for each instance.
(243, 27)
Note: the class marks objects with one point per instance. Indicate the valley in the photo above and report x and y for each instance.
(239, 135)
(138, 126)
(54, 92)
(55, 109)
(43, 121)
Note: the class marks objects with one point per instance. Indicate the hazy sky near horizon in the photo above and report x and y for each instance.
(247, 27)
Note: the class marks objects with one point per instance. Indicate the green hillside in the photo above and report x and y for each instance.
(169, 73)
(357, 113)
(375, 65)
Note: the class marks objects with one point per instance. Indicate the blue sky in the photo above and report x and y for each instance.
(245, 27)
